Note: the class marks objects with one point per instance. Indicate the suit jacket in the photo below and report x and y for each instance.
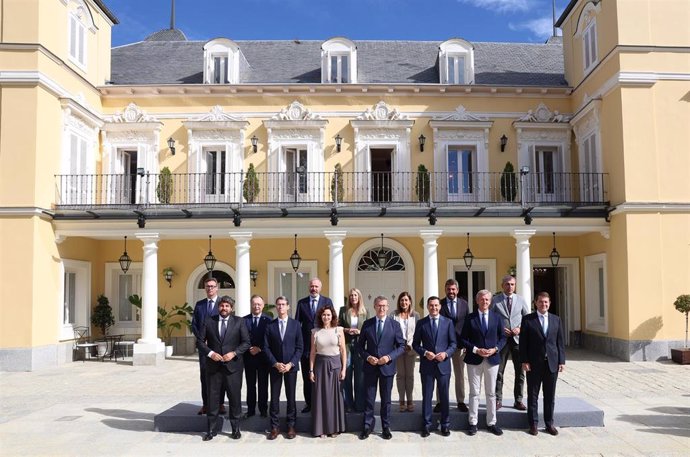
(462, 310)
(473, 336)
(423, 341)
(304, 316)
(345, 321)
(287, 350)
(201, 313)
(519, 308)
(256, 337)
(391, 344)
(537, 349)
(236, 339)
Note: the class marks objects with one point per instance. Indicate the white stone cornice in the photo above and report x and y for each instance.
(523, 234)
(430, 235)
(335, 235)
(241, 236)
(663, 208)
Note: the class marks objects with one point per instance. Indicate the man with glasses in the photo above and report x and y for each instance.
(205, 308)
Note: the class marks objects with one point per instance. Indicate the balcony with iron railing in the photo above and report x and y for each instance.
(329, 189)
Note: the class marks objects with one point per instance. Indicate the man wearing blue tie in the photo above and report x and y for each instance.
(305, 314)
(434, 341)
(380, 343)
(255, 361)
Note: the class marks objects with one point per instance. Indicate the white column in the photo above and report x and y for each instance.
(149, 350)
(430, 263)
(336, 278)
(523, 266)
(242, 267)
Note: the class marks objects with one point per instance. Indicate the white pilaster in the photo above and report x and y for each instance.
(242, 267)
(336, 277)
(523, 266)
(430, 263)
(149, 350)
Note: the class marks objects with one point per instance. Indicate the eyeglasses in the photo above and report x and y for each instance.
(211, 287)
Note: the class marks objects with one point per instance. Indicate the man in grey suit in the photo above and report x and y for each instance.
(456, 309)
(511, 307)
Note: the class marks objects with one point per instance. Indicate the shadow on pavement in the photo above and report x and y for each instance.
(668, 420)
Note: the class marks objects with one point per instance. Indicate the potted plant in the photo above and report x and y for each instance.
(250, 187)
(164, 189)
(337, 189)
(422, 185)
(508, 183)
(167, 322)
(682, 355)
(102, 318)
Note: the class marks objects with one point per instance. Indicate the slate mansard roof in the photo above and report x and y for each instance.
(289, 62)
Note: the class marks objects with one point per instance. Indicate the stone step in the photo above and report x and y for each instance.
(570, 412)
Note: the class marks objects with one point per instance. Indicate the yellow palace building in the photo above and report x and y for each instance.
(382, 165)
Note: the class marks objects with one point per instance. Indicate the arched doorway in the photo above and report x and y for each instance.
(223, 272)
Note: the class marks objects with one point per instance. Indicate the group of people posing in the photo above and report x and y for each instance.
(345, 357)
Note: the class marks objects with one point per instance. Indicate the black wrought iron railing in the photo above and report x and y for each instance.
(330, 189)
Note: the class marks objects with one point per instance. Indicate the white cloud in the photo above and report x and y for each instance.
(502, 6)
(541, 28)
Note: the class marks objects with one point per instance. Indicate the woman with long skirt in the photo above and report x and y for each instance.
(327, 362)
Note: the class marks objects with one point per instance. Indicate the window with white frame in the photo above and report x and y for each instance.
(77, 163)
(586, 126)
(462, 166)
(74, 303)
(481, 276)
(589, 46)
(456, 62)
(119, 287)
(338, 61)
(77, 38)
(596, 293)
(283, 280)
(221, 62)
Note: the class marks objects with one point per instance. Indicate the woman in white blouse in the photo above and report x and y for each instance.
(407, 317)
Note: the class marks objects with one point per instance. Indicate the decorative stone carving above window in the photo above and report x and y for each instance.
(381, 112)
(461, 114)
(296, 111)
(217, 115)
(543, 114)
(132, 114)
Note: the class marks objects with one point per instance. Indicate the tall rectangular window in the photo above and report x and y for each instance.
(461, 166)
(340, 69)
(220, 70)
(589, 46)
(595, 293)
(77, 40)
(70, 299)
(455, 69)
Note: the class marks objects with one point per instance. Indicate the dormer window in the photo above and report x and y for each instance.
(456, 62)
(338, 61)
(221, 62)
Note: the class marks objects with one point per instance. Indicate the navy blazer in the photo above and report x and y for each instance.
(287, 350)
(423, 341)
(462, 310)
(537, 349)
(472, 335)
(201, 313)
(236, 339)
(304, 316)
(391, 344)
(256, 337)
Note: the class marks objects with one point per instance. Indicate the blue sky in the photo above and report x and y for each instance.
(474, 20)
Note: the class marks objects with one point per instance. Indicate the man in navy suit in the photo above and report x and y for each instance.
(283, 346)
(306, 310)
(380, 343)
(255, 361)
(542, 353)
(483, 338)
(223, 340)
(203, 309)
(434, 341)
(454, 307)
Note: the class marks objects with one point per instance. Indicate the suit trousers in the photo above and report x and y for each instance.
(221, 382)
(404, 376)
(538, 376)
(458, 361)
(277, 380)
(513, 350)
(442, 382)
(355, 397)
(385, 386)
(256, 372)
(474, 376)
(204, 384)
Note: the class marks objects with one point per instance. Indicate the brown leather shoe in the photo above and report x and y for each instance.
(520, 406)
(551, 430)
(291, 434)
(201, 411)
(222, 410)
(462, 407)
(499, 404)
(274, 434)
(533, 430)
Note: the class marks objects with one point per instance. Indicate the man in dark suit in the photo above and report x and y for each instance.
(283, 345)
(511, 307)
(434, 341)
(380, 343)
(255, 362)
(304, 314)
(223, 340)
(543, 356)
(483, 338)
(203, 309)
(456, 309)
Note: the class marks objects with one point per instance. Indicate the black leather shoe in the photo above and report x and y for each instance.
(306, 409)
(495, 429)
(236, 435)
(249, 414)
(445, 431)
(425, 433)
(472, 430)
(263, 414)
(463, 408)
(386, 434)
(208, 436)
(437, 408)
(364, 435)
